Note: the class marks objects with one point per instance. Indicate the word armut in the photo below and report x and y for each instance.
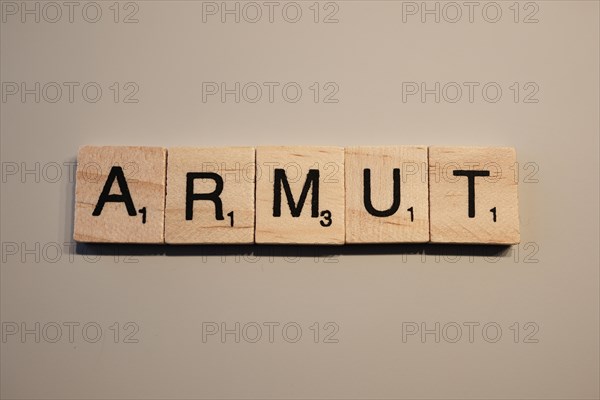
(296, 195)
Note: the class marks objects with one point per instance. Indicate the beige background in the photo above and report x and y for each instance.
(370, 293)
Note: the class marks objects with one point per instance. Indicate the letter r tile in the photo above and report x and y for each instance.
(387, 194)
(300, 195)
(120, 194)
(473, 195)
(210, 195)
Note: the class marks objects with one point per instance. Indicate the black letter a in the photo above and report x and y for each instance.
(124, 197)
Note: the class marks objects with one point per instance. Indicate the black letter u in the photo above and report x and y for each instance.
(367, 194)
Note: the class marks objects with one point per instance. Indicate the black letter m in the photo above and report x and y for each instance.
(312, 180)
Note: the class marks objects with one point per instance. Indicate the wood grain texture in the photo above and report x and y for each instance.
(409, 222)
(144, 171)
(452, 220)
(235, 166)
(327, 226)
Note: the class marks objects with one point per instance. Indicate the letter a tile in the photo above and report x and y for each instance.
(300, 195)
(120, 194)
(210, 195)
(387, 194)
(473, 195)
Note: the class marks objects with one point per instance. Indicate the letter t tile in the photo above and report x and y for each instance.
(473, 195)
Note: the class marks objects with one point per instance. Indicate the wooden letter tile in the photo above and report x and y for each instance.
(120, 194)
(210, 195)
(473, 195)
(300, 195)
(387, 194)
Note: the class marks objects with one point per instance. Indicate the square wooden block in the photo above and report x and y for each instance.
(210, 195)
(387, 194)
(120, 194)
(300, 195)
(473, 195)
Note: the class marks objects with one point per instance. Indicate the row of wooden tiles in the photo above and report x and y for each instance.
(296, 195)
